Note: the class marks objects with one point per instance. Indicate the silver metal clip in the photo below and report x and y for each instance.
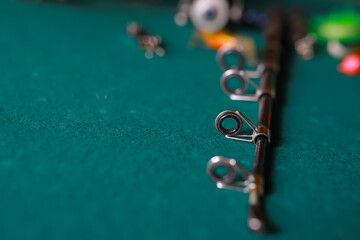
(234, 176)
(234, 133)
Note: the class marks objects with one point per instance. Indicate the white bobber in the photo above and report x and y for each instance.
(210, 15)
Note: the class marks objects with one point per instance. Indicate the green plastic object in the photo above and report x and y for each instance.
(341, 26)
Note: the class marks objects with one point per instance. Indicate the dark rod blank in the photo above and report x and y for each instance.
(273, 31)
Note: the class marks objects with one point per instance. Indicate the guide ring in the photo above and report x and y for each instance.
(224, 82)
(229, 164)
(228, 50)
(229, 114)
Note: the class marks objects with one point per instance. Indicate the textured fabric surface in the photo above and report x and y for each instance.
(99, 143)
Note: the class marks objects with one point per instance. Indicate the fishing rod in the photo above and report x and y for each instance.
(237, 177)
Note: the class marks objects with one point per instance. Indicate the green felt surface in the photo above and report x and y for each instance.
(99, 143)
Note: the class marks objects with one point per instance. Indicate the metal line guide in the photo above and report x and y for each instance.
(236, 176)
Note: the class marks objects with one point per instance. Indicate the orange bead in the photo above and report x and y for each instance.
(219, 39)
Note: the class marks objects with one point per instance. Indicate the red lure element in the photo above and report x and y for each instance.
(350, 65)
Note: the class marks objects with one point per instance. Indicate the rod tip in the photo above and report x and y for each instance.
(256, 225)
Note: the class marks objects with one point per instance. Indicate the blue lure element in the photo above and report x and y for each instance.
(252, 17)
(210, 14)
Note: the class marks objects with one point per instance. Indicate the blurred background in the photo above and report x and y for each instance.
(106, 134)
